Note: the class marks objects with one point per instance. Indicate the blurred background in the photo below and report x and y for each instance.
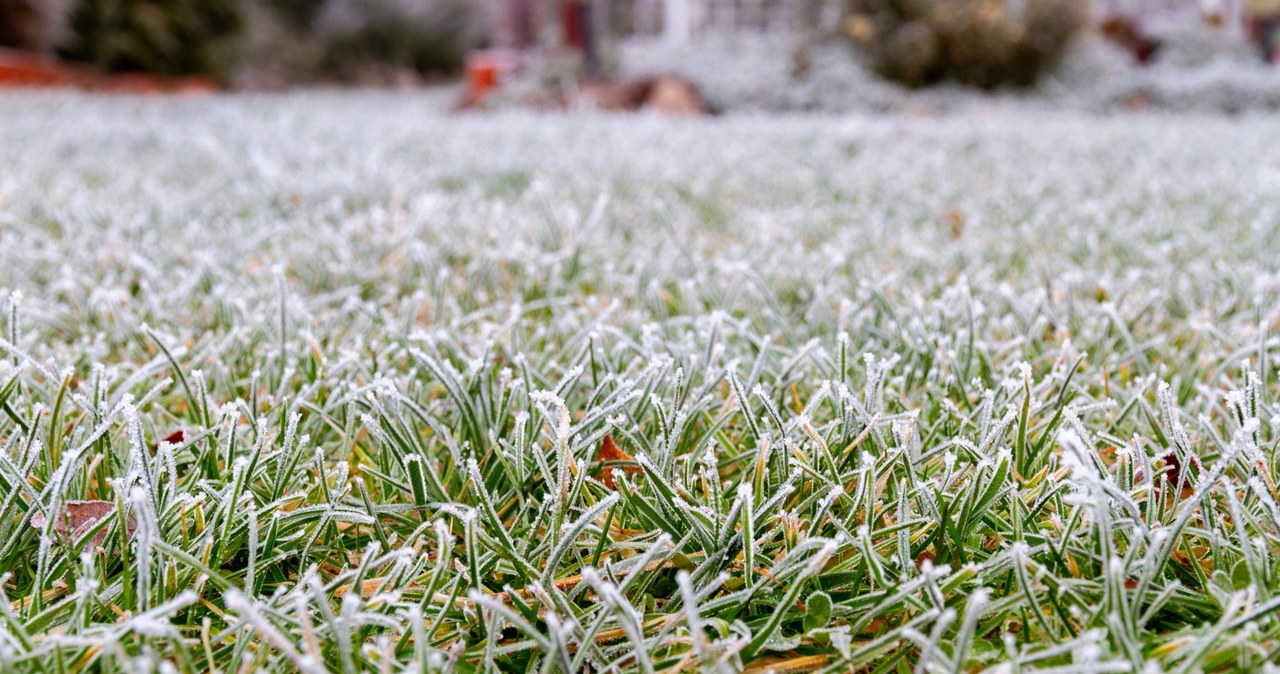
(693, 56)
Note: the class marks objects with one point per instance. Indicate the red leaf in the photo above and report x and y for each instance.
(175, 438)
(1175, 472)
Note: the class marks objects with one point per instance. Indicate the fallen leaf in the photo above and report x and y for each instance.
(175, 438)
(802, 663)
(926, 556)
(78, 517)
(955, 218)
(609, 451)
(1175, 473)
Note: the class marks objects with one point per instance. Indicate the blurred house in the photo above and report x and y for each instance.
(1159, 16)
(526, 23)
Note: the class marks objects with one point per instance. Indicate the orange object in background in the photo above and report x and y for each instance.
(483, 73)
(485, 70)
(23, 69)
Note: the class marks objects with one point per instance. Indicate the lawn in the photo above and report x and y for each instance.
(338, 382)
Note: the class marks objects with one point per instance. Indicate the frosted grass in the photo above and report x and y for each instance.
(903, 393)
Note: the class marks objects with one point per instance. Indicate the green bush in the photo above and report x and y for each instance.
(293, 40)
(166, 37)
(987, 43)
(425, 36)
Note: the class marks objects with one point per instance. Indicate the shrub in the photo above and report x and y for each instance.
(299, 14)
(987, 43)
(426, 36)
(166, 37)
(274, 40)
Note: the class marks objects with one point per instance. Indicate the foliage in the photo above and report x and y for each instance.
(987, 43)
(298, 40)
(426, 36)
(166, 37)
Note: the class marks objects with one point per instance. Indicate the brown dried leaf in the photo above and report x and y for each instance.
(800, 663)
(78, 517)
(609, 451)
(956, 218)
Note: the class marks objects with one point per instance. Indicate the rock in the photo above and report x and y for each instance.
(668, 94)
(676, 96)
